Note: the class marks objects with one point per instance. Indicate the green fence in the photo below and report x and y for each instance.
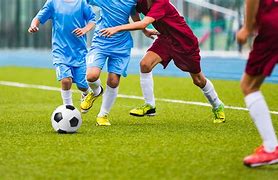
(15, 18)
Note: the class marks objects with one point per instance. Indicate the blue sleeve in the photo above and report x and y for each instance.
(46, 12)
(88, 12)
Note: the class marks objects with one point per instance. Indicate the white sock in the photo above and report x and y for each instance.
(259, 112)
(67, 97)
(108, 100)
(211, 94)
(95, 87)
(146, 81)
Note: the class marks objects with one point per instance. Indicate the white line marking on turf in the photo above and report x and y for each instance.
(49, 88)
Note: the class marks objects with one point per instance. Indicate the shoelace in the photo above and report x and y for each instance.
(216, 113)
(259, 149)
(143, 106)
(88, 98)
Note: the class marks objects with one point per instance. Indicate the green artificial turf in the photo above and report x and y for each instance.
(181, 142)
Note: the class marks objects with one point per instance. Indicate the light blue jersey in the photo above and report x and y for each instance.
(113, 13)
(66, 16)
(114, 50)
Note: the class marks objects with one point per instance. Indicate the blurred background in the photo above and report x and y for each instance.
(214, 22)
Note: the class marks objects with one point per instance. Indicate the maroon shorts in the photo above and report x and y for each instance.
(186, 60)
(263, 57)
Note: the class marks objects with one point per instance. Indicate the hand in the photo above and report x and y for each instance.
(242, 35)
(33, 29)
(108, 32)
(79, 32)
(150, 33)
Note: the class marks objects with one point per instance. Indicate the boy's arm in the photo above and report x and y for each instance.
(82, 31)
(34, 27)
(89, 16)
(150, 33)
(43, 15)
(252, 7)
(138, 25)
(156, 12)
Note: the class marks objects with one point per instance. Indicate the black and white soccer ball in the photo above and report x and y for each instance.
(66, 119)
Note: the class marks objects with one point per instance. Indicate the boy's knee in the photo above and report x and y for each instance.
(199, 81)
(246, 88)
(92, 74)
(66, 81)
(145, 67)
(113, 80)
(113, 83)
(91, 77)
(250, 84)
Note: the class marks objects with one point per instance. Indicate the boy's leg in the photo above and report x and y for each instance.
(211, 95)
(109, 98)
(64, 75)
(79, 77)
(66, 92)
(95, 62)
(149, 61)
(93, 80)
(258, 109)
(94, 83)
(117, 64)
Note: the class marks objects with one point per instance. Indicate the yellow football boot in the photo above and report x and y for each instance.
(88, 101)
(219, 114)
(103, 121)
(141, 111)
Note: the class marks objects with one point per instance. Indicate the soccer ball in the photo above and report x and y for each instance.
(66, 119)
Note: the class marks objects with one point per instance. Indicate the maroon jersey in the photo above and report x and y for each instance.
(267, 18)
(169, 23)
(264, 55)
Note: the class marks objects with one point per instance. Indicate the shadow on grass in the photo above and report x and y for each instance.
(52, 132)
